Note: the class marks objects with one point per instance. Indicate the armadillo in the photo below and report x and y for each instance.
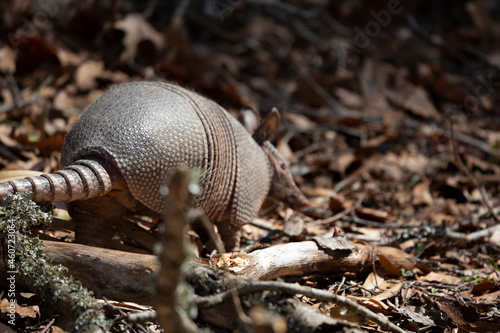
(120, 154)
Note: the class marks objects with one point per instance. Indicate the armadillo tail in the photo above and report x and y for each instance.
(82, 180)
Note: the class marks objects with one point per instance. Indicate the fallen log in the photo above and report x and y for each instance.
(127, 276)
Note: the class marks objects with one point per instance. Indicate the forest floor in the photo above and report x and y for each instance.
(391, 122)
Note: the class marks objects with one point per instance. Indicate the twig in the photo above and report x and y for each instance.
(407, 124)
(18, 103)
(14, 89)
(232, 36)
(321, 295)
(455, 50)
(49, 324)
(181, 8)
(311, 148)
(483, 213)
(330, 219)
(473, 236)
(329, 99)
(150, 8)
(469, 175)
(133, 319)
(141, 317)
(265, 227)
(340, 185)
(307, 14)
(302, 29)
(481, 145)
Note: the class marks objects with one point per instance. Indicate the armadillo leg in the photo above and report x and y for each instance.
(230, 235)
(95, 220)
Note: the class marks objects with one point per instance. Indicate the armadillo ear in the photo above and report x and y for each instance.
(268, 127)
(249, 118)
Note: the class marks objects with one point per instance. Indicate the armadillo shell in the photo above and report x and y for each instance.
(146, 130)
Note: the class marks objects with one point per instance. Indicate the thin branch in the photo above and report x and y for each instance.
(18, 103)
(321, 295)
(463, 168)
(473, 236)
(329, 99)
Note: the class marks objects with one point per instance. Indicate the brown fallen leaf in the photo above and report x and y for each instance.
(418, 314)
(490, 298)
(414, 99)
(452, 309)
(7, 60)
(32, 311)
(392, 291)
(439, 277)
(485, 286)
(349, 98)
(372, 282)
(34, 52)
(137, 30)
(87, 73)
(373, 214)
(422, 194)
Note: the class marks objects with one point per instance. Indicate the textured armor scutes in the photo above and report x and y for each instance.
(146, 130)
(253, 177)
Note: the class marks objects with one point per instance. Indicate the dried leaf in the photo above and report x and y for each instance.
(422, 194)
(87, 74)
(7, 60)
(439, 277)
(137, 29)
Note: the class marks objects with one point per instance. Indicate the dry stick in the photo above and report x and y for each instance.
(18, 103)
(181, 8)
(150, 9)
(123, 314)
(14, 89)
(473, 236)
(141, 317)
(51, 322)
(481, 145)
(478, 234)
(171, 316)
(321, 295)
(329, 99)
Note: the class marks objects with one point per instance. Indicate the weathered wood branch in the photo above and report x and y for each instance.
(127, 276)
(309, 257)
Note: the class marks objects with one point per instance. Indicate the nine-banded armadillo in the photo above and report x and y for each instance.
(117, 159)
